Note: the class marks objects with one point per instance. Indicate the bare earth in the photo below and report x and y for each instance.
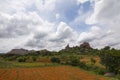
(47, 73)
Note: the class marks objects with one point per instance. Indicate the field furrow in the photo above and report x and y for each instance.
(12, 75)
(5, 75)
(20, 74)
(47, 73)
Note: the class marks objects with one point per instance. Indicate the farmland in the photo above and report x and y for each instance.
(48, 73)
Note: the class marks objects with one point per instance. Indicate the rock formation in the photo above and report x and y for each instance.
(18, 51)
(85, 45)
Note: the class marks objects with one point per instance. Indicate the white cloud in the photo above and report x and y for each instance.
(22, 24)
(91, 35)
(28, 25)
(54, 40)
(45, 5)
(14, 6)
(20, 27)
(106, 14)
(57, 16)
(64, 32)
(39, 25)
(82, 1)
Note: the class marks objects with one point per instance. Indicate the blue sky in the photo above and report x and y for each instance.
(52, 24)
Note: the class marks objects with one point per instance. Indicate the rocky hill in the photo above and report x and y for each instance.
(18, 51)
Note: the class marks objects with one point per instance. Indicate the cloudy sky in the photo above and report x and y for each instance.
(52, 24)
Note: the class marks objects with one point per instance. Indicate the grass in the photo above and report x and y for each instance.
(87, 60)
(8, 64)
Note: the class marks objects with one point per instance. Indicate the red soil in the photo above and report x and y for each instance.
(47, 73)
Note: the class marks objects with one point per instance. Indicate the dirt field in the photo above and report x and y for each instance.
(47, 73)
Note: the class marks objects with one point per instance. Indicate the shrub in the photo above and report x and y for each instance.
(55, 60)
(88, 67)
(21, 59)
(34, 58)
(93, 61)
(10, 58)
(74, 61)
(100, 71)
(111, 60)
(82, 65)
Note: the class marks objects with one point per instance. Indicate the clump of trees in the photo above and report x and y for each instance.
(22, 59)
(74, 61)
(55, 60)
(110, 58)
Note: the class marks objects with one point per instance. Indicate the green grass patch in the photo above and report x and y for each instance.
(25, 64)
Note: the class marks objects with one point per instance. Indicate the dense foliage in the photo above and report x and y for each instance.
(55, 60)
(110, 58)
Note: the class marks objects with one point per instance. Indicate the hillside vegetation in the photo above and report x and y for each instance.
(100, 62)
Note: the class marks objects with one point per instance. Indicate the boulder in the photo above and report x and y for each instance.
(109, 74)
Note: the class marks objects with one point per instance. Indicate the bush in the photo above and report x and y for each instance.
(21, 59)
(111, 60)
(74, 61)
(82, 65)
(55, 60)
(100, 71)
(34, 58)
(89, 67)
(93, 61)
(11, 58)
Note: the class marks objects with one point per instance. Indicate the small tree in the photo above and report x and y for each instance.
(93, 61)
(74, 61)
(22, 59)
(111, 60)
(55, 60)
(34, 58)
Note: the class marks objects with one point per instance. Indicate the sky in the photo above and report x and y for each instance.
(52, 24)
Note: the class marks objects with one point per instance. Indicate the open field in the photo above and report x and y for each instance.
(48, 73)
(9, 64)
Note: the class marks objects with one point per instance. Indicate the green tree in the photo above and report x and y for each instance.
(106, 48)
(110, 59)
(93, 61)
(55, 60)
(22, 59)
(74, 61)
(34, 58)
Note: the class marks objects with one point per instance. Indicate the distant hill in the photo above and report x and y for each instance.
(18, 51)
(83, 48)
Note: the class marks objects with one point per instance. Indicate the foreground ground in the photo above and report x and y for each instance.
(48, 73)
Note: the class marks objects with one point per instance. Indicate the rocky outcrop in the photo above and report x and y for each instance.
(67, 47)
(85, 45)
(18, 51)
